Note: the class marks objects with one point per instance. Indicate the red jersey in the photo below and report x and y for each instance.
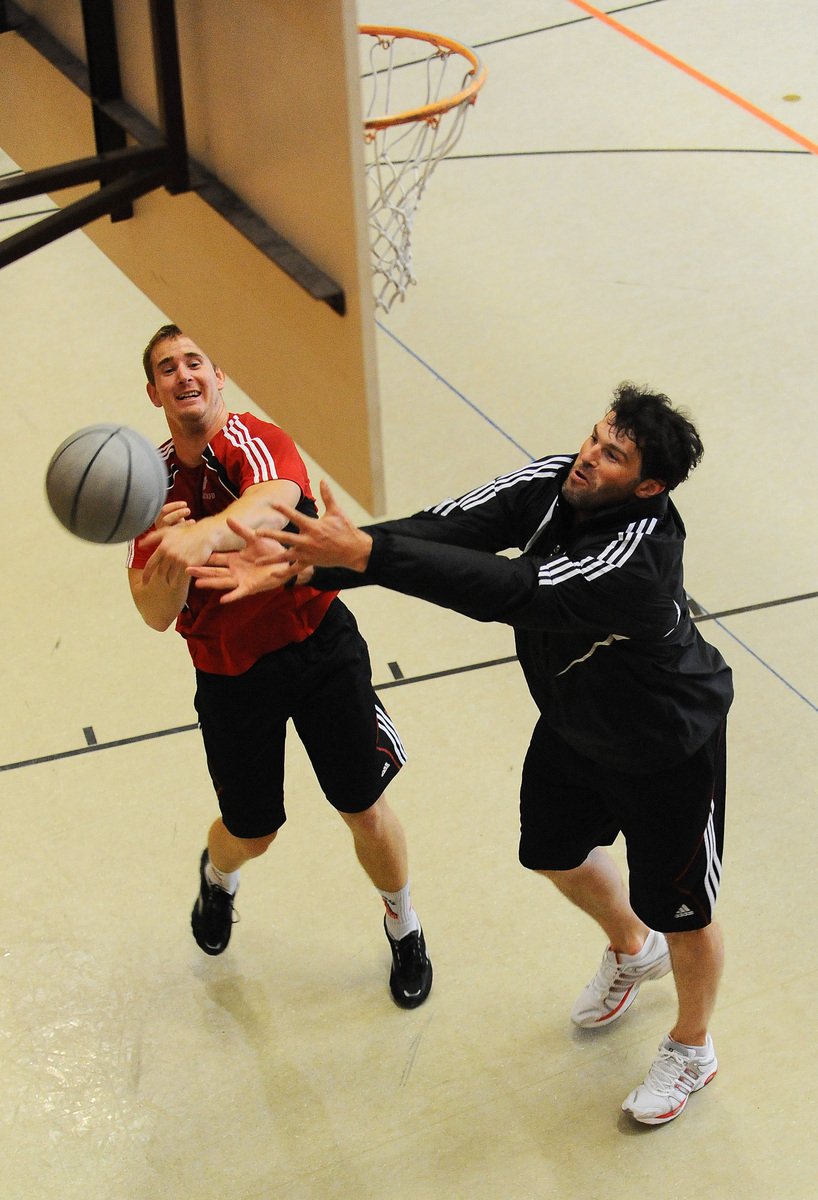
(226, 639)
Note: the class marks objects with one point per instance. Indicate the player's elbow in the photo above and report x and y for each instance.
(159, 623)
(156, 617)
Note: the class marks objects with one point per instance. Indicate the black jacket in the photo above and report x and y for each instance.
(602, 626)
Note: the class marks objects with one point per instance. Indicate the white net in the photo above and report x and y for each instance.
(421, 88)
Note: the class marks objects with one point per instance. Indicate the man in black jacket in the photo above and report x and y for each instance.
(632, 700)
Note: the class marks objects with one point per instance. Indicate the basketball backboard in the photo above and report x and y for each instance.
(264, 260)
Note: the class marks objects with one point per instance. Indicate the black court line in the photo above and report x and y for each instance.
(129, 741)
(732, 612)
(488, 155)
(403, 681)
(513, 37)
(526, 33)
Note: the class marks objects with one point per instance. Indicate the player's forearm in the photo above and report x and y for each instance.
(476, 583)
(253, 509)
(158, 602)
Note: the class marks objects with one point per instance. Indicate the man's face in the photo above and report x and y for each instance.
(185, 383)
(607, 471)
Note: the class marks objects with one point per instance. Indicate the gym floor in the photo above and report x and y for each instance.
(608, 215)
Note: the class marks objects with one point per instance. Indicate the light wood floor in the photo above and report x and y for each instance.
(607, 216)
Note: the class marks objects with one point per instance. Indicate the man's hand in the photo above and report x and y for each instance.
(162, 601)
(271, 558)
(177, 545)
(261, 566)
(175, 512)
(332, 541)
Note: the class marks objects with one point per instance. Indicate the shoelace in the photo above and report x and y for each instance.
(609, 979)
(409, 957)
(671, 1073)
(217, 898)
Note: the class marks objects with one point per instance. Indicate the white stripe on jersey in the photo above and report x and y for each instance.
(615, 554)
(253, 448)
(544, 468)
(390, 733)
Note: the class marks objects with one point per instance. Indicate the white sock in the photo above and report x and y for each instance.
(674, 1045)
(228, 881)
(401, 917)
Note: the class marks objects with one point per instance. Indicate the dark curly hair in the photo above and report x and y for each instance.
(669, 442)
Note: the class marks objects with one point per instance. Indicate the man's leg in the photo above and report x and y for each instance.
(597, 888)
(697, 956)
(243, 728)
(380, 845)
(566, 819)
(228, 853)
(698, 960)
(686, 1061)
(635, 952)
(212, 917)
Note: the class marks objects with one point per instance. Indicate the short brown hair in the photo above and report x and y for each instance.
(161, 335)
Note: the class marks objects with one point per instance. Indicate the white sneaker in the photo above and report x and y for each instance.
(616, 984)
(676, 1073)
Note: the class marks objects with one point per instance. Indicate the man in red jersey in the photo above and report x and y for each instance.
(294, 654)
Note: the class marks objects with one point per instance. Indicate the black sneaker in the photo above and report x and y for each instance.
(410, 980)
(212, 917)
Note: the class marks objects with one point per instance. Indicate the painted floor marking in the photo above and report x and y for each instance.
(748, 107)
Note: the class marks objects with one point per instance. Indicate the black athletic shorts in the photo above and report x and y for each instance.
(324, 685)
(672, 822)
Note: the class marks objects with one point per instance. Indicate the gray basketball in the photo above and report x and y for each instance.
(106, 483)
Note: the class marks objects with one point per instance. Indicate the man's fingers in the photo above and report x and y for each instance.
(294, 517)
(211, 571)
(149, 569)
(327, 496)
(215, 584)
(220, 559)
(244, 531)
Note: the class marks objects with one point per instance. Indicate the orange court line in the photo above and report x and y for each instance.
(698, 75)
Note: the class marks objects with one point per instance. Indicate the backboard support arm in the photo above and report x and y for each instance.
(104, 80)
(126, 172)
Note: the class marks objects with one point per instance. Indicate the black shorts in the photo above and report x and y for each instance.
(672, 822)
(324, 685)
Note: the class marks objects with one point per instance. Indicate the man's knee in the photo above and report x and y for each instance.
(377, 821)
(263, 844)
(255, 847)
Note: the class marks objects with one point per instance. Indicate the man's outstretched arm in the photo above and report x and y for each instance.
(273, 557)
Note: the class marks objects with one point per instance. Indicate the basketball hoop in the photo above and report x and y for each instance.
(405, 141)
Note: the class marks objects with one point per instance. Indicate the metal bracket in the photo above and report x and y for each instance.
(126, 172)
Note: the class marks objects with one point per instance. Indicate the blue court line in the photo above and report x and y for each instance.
(457, 393)
(427, 366)
(767, 666)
